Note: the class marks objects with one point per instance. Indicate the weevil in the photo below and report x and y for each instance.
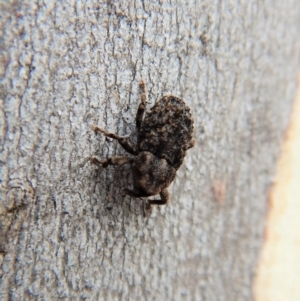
(164, 135)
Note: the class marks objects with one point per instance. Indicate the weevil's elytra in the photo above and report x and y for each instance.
(167, 130)
(164, 136)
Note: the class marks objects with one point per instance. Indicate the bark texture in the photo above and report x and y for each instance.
(66, 231)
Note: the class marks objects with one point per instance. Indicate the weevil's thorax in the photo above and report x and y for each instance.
(167, 130)
(151, 174)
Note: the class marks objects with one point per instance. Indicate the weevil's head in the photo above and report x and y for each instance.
(151, 174)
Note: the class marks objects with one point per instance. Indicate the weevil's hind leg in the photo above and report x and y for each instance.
(142, 107)
(124, 142)
(164, 197)
(118, 160)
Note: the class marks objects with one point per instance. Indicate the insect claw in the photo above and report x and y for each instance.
(96, 129)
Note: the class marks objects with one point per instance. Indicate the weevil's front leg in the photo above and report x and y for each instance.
(164, 197)
(124, 142)
(142, 107)
(147, 207)
(134, 194)
(118, 160)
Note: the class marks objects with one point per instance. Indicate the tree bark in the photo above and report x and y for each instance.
(66, 230)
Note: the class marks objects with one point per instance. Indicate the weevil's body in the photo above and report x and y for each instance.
(164, 136)
(167, 130)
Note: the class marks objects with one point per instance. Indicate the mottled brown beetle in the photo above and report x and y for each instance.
(164, 136)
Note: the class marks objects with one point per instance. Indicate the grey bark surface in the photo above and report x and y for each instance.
(66, 230)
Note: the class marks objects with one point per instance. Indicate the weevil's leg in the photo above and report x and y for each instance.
(118, 160)
(142, 107)
(124, 142)
(147, 207)
(164, 197)
(133, 194)
(95, 160)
